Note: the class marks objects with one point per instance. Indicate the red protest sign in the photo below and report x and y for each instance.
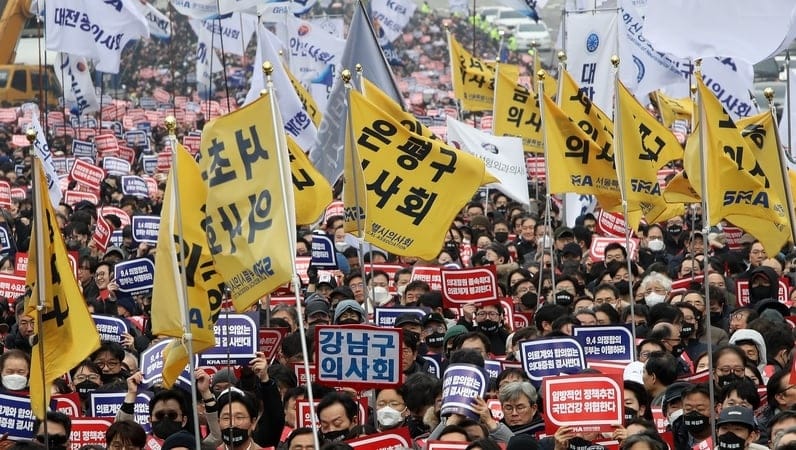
(5, 194)
(742, 292)
(522, 320)
(430, 275)
(164, 161)
(89, 432)
(389, 269)
(107, 145)
(589, 403)
(335, 208)
(535, 167)
(118, 212)
(394, 439)
(304, 417)
(20, 263)
(87, 174)
(464, 286)
(12, 286)
(733, 237)
(611, 224)
(68, 404)
(191, 143)
(598, 244)
(302, 264)
(269, 340)
(359, 356)
(126, 153)
(72, 197)
(301, 374)
(19, 193)
(685, 283)
(102, 234)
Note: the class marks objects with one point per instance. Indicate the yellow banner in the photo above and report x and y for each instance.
(549, 83)
(672, 109)
(646, 146)
(394, 110)
(306, 98)
(584, 168)
(577, 105)
(517, 112)
(473, 78)
(247, 225)
(205, 287)
(409, 202)
(68, 334)
(311, 191)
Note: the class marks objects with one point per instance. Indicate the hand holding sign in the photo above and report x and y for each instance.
(562, 437)
(259, 366)
(203, 385)
(133, 381)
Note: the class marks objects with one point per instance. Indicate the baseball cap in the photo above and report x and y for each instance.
(433, 317)
(674, 392)
(572, 249)
(739, 415)
(563, 231)
(317, 306)
(407, 319)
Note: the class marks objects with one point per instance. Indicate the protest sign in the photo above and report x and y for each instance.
(118, 212)
(236, 341)
(301, 374)
(742, 291)
(611, 224)
(106, 144)
(686, 283)
(522, 320)
(385, 317)
(302, 264)
(493, 368)
(117, 238)
(360, 356)
(5, 194)
(145, 229)
(192, 143)
(107, 404)
(116, 166)
(269, 340)
(607, 343)
(150, 163)
(398, 438)
(73, 197)
(102, 233)
(12, 286)
(88, 432)
(17, 418)
(20, 263)
(434, 364)
(110, 328)
(430, 275)
(5, 242)
(304, 418)
(135, 186)
(465, 286)
(549, 357)
(323, 252)
(136, 138)
(152, 366)
(461, 385)
(590, 403)
(83, 149)
(19, 193)
(68, 404)
(135, 276)
(598, 244)
(87, 174)
(389, 269)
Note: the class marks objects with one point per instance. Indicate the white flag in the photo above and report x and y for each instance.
(740, 29)
(503, 157)
(207, 61)
(311, 48)
(732, 81)
(95, 29)
(392, 16)
(230, 34)
(159, 24)
(789, 120)
(196, 9)
(591, 41)
(46, 157)
(298, 124)
(231, 6)
(73, 74)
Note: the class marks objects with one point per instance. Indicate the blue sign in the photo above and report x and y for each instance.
(145, 229)
(145, 126)
(236, 341)
(461, 385)
(385, 317)
(107, 404)
(5, 242)
(493, 368)
(150, 163)
(323, 252)
(136, 276)
(136, 138)
(549, 357)
(16, 417)
(152, 366)
(434, 364)
(605, 343)
(117, 238)
(133, 185)
(110, 328)
(83, 149)
(115, 126)
(360, 356)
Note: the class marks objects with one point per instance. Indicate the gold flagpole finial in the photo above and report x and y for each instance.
(540, 75)
(171, 125)
(693, 89)
(615, 61)
(31, 135)
(768, 93)
(346, 75)
(562, 56)
(268, 68)
(358, 68)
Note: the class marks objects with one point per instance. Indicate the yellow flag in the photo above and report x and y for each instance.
(550, 85)
(68, 334)
(409, 202)
(306, 98)
(354, 192)
(394, 110)
(646, 146)
(672, 109)
(473, 78)
(679, 189)
(205, 287)
(248, 226)
(590, 118)
(738, 188)
(517, 112)
(311, 191)
(584, 167)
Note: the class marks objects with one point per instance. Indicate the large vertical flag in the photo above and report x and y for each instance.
(68, 334)
(306, 99)
(788, 122)
(311, 191)
(517, 112)
(159, 23)
(408, 201)
(44, 155)
(585, 167)
(298, 124)
(230, 33)
(247, 215)
(591, 40)
(73, 74)
(96, 30)
(645, 146)
(392, 16)
(473, 79)
(205, 288)
(747, 201)
(363, 48)
(503, 156)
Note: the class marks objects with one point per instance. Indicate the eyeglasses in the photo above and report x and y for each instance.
(508, 409)
(438, 329)
(394, 404)
(172, 415)
(83, 377)
(235, 418)
(111, 364)
(726, 370)
(490, 314)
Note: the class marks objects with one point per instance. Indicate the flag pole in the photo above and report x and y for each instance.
(790, 109)
(703, 151)
(281, 151)
(358, 69)
(548, 198)
(38, 201)
(783, 165)
(619, 160)
(187, 337)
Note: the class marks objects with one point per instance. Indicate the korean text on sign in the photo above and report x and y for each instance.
(358, 355)
(593, 403)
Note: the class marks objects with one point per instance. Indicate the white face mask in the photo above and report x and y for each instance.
(341, 246)
(401, 289)
(655, 245)
(675, 415)
(381, 295)
(15, 382)
(389, 417)
(654, 298)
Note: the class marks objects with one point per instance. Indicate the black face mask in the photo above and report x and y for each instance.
(630, 414)
(686, 330)
(84, 388)
(696, 423)
(435, 339)
(234, 436)
(488, 326)
(564, 298)
(54, 441)
(334, 436)
(623, 287)
(348, 322)
(578, 443)
(715, 318)
(760, 292)
(731, 441)
(501, 236)
(724, 380)
(641, 331)
(674, 230)
(165, 427)
(678, 350)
